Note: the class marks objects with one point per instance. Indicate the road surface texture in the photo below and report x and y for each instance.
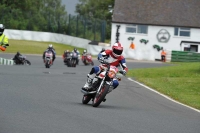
(34, 99)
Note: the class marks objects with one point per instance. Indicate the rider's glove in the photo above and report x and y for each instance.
(101, 60)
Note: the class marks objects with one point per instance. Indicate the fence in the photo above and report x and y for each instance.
(6, 61)
(78, 26)
(183, 56)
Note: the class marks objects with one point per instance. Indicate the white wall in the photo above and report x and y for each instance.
(146, 51)
(46, 37)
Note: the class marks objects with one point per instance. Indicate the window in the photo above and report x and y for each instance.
(141, 29)
(182, 32)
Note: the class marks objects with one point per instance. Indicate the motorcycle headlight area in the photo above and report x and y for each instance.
(111, 74)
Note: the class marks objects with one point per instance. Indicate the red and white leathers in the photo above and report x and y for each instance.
(107, 56)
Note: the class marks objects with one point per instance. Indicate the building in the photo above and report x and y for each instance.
(145, 27)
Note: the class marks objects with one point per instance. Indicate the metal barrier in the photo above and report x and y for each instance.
(4, 61)
(183, 56)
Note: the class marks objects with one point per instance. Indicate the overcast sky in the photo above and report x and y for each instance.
(70, 5)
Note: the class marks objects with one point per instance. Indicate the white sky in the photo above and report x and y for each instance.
(70, 6)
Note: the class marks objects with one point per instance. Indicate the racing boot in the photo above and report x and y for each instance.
(88, 83)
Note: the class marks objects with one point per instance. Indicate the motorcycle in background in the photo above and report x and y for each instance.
(101, 86)
(21, 60)
(87, 59)
(71, 59)
(48, 59)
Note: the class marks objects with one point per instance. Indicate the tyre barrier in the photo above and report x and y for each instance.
(4, 61)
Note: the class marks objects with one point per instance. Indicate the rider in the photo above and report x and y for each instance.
(50, 48)
(102, 50)
(66, 53)
(3, 38)
(114, 57)
(84, 52)
(17, 58)
(78, 53)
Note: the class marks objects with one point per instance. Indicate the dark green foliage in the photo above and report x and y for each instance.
(98, 9)
(50, 16)
(37, 15)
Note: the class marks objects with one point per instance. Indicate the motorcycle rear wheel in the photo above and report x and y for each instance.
(101, 96)
(86, 99)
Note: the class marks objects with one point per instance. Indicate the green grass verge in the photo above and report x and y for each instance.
(180, 82)
(36, 47)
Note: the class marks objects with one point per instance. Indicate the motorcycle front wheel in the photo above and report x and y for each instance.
(100, 97)
(28, 62)
(86, 99)
(47, 65)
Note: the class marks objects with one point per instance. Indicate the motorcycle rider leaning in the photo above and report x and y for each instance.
(50, 48)
(3, 38)
(17, 58)
(114, 57)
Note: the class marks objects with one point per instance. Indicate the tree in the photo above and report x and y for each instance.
(39, 15)
(99, 9)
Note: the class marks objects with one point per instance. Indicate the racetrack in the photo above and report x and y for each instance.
(34, 99)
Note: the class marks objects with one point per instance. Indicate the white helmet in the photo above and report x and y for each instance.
(50, 46)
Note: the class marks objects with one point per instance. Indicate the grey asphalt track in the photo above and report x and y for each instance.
(34, 99)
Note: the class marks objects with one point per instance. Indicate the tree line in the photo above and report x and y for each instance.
(51, 16)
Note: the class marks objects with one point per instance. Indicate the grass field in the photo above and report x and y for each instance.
(34, 47)
(180, 82)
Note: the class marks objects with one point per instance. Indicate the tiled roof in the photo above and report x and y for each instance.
(184, 13)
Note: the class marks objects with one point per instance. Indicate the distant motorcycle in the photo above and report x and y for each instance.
(48, 59)
(21, 60)
(71, 59)
(87, 59)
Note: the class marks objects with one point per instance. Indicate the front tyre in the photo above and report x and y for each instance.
(47, 64)
(28, 62)
(86, 99)
(100, 97)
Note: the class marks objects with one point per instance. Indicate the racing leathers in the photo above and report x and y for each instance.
(17, 58)
(108, 57)
(78, 53)
(52, 50)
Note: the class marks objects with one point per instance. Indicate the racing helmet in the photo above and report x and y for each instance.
(117, 49)
(1, 29)
(50, 46)
(84, 51)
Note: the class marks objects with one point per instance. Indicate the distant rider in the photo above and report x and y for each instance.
(50, 48)
(3, 38)
(114, 57)
(66, 53)
(84, 54)
(17, 58)
(78, 53)
(102, 50)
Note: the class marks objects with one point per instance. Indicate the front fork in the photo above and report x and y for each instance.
(102, 82)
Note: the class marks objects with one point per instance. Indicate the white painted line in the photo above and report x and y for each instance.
(164, 95)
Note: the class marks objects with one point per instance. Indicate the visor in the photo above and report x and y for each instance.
(117, 52)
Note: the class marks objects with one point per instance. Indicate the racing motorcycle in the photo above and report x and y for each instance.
(101, 86)
(48, 59)
(71, 60)
(87, 59)
(21, 60)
